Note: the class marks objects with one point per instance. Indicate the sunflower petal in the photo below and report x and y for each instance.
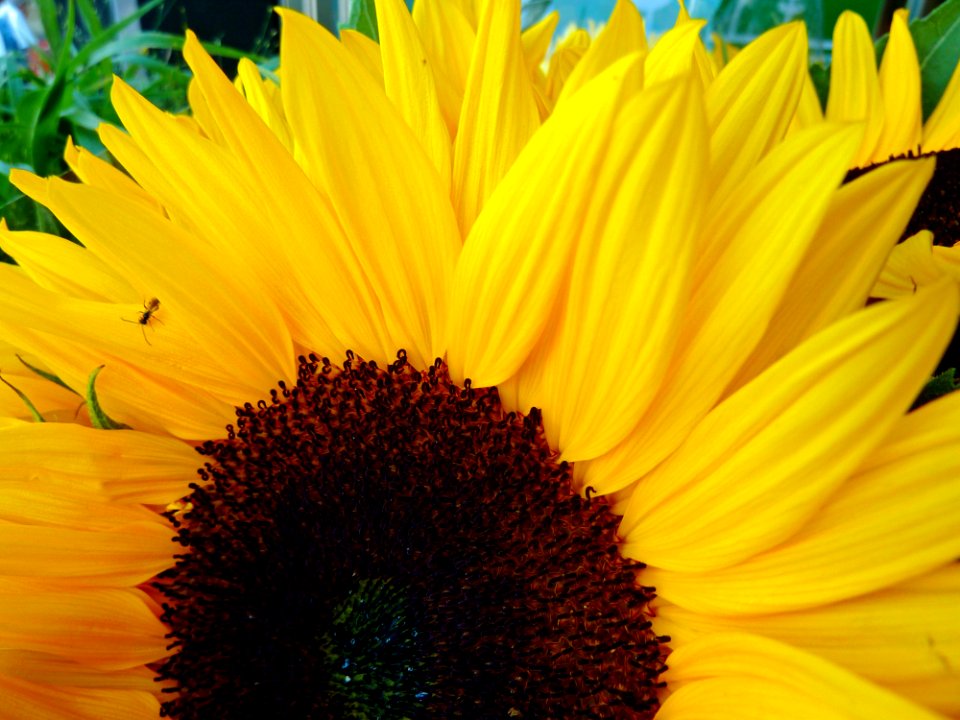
(563, 61)
(388, 197)
(109, 628)
(906, 634)
(505, 291)
(264, 97)
(835, 391)
(536, 40)
(408, 81)
(864, 221)
(675, 53)
(911, 265)
(61, 266)
(125, 555)
(24, 699)
(499, 113)
(735, 675)
(449, 38)
(127, 467)
(809, 111)
(752, 101)
(747, 256)
(255, 339)
(332, 307)
(942, 131)
(854, 87)
(900, 90)
(622, 35)
(899, 517)
(54, 670)
(93, 170)
(365, 50)
(619, 303)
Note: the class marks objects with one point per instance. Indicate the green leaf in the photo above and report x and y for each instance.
(46, 375)
(89, 17)
(363, 19)
(98, 418)
(155, 40)
(938, 386)
(937, 38)
(51, 24)
(821, 82)
(26, 401)
(83, 56)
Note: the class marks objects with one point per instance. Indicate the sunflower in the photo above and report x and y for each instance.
(889, 102)
(361, 394)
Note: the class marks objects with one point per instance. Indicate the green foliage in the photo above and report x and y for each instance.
(938, 386)
(37, 417)
(937, 37)
(98, 418)
(363, 18)
(65, 91)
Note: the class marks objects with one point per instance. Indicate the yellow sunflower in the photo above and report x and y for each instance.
(412, 354)
(888, 100)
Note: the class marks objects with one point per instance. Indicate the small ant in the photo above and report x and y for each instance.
(150, 307)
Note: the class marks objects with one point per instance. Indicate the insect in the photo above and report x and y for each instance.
(150, 307)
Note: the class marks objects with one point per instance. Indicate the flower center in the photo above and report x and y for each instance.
(939, 208)
(385, 543)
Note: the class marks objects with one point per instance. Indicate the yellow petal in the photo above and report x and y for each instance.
(563, 61)
(53, 670)
(264, 97)
(127, 467)
(748, 253)
(942, 131)
(675, 53)
(900, 90)
(388, 196)
(95, 171)
(192, 307)
(505, 291)
(906, 634)
(449, 38)
(623, 34)
(64, 267)
(762, 464)
(201, 112)
(408, 81)
(854, 86)
(703, 66)
(126, 555)
(809, 111)
(735, 675)
(911, 265)
(865, 220)
(110, 628)
(939, 693)
(600, 374)
(897, 518)
(365, 50)
(36, 701)
(499, 113)
(332, 307)
(752, 102)
(536, 40)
